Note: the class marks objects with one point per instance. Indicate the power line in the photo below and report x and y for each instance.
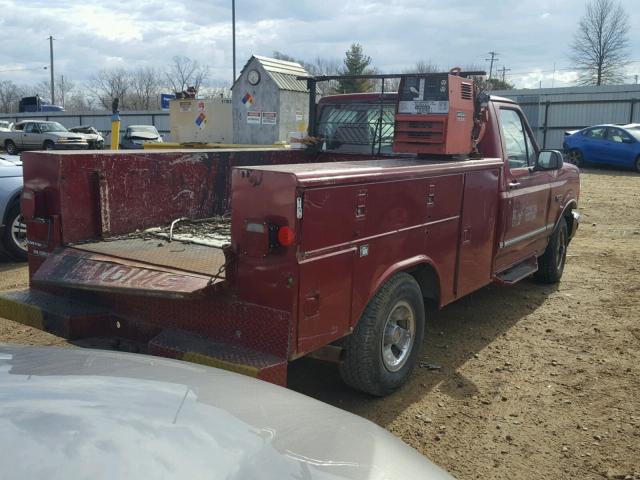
(23, 69)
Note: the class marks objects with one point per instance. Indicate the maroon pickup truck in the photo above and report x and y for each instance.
(250, 259)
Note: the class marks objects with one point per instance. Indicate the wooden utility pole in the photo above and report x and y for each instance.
(494, 58)
(504, 73)
(53, 92)
(233, 33)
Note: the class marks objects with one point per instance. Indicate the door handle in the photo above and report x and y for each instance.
(513, 185)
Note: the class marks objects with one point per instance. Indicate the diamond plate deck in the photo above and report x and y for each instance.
(192, 348)
(189, 257)
(51, 313)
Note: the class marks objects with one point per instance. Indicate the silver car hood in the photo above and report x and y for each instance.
(76, 413)
(10, 169)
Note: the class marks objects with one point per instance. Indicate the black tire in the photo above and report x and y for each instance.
(14, 237)
(11, 147)
(362, 365)
(575, 156)
(551, 263)
(48, 145)
(638, 164)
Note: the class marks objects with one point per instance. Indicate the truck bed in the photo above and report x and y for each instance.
(194, 246)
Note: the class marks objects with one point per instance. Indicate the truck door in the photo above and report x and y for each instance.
(525, 203)
(31, 135)
(619, 147)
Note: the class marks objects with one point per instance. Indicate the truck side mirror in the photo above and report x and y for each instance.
(548, 160)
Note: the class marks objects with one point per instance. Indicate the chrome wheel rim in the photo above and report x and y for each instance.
(398, 336)
(19, 233)
(575, 157)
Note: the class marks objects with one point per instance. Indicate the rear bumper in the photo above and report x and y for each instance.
(76, 320)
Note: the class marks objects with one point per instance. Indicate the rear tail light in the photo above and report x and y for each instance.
(286, 236)
(261, 238)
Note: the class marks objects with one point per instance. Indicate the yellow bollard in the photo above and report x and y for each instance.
(115, 131)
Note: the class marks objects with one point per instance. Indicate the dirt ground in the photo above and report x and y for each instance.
(534, 381)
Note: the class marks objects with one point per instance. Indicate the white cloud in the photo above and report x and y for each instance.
(529, 35)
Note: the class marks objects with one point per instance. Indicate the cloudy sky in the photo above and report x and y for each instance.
(530, 35)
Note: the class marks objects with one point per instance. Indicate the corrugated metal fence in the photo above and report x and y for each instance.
(551, 111)
(100, 120)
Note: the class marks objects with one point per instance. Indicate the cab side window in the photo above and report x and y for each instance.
(518, 145)
(31, 128)
(597, 133)
(618, 136)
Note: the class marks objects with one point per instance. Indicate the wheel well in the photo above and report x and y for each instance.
(15, 199)
(568, 217)
(427, 278)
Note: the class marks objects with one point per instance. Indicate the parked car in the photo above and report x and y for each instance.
(5, 125)
(40, 135)
(137, 135)
(605, 144)
(77, 413)
(93, 136)
(13, 231)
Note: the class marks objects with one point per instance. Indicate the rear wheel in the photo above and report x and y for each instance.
(48, 145)
(11, 147)
(551, 263)
(382, 351)
(575, 156)
(14, 237)
(638, 164)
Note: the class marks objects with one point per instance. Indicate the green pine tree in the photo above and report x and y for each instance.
(355, 63)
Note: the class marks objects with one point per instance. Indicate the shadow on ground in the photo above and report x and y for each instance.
(453, 336)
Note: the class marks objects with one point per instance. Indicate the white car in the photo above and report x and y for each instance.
(78, 414)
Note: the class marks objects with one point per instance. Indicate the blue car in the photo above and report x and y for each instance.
(605, 144)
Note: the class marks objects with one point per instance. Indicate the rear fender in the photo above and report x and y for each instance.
(413, 266)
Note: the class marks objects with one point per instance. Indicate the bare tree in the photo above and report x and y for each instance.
(63, 87)
(109, 84)
(185, 72)
(145, 89)
(599, 49)
(425, 66)
(10, 95)
(79, 101)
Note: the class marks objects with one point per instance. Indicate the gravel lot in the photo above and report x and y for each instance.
(534, 381)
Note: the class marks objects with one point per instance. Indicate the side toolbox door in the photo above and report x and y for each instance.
(525, 203)
(326, 267)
